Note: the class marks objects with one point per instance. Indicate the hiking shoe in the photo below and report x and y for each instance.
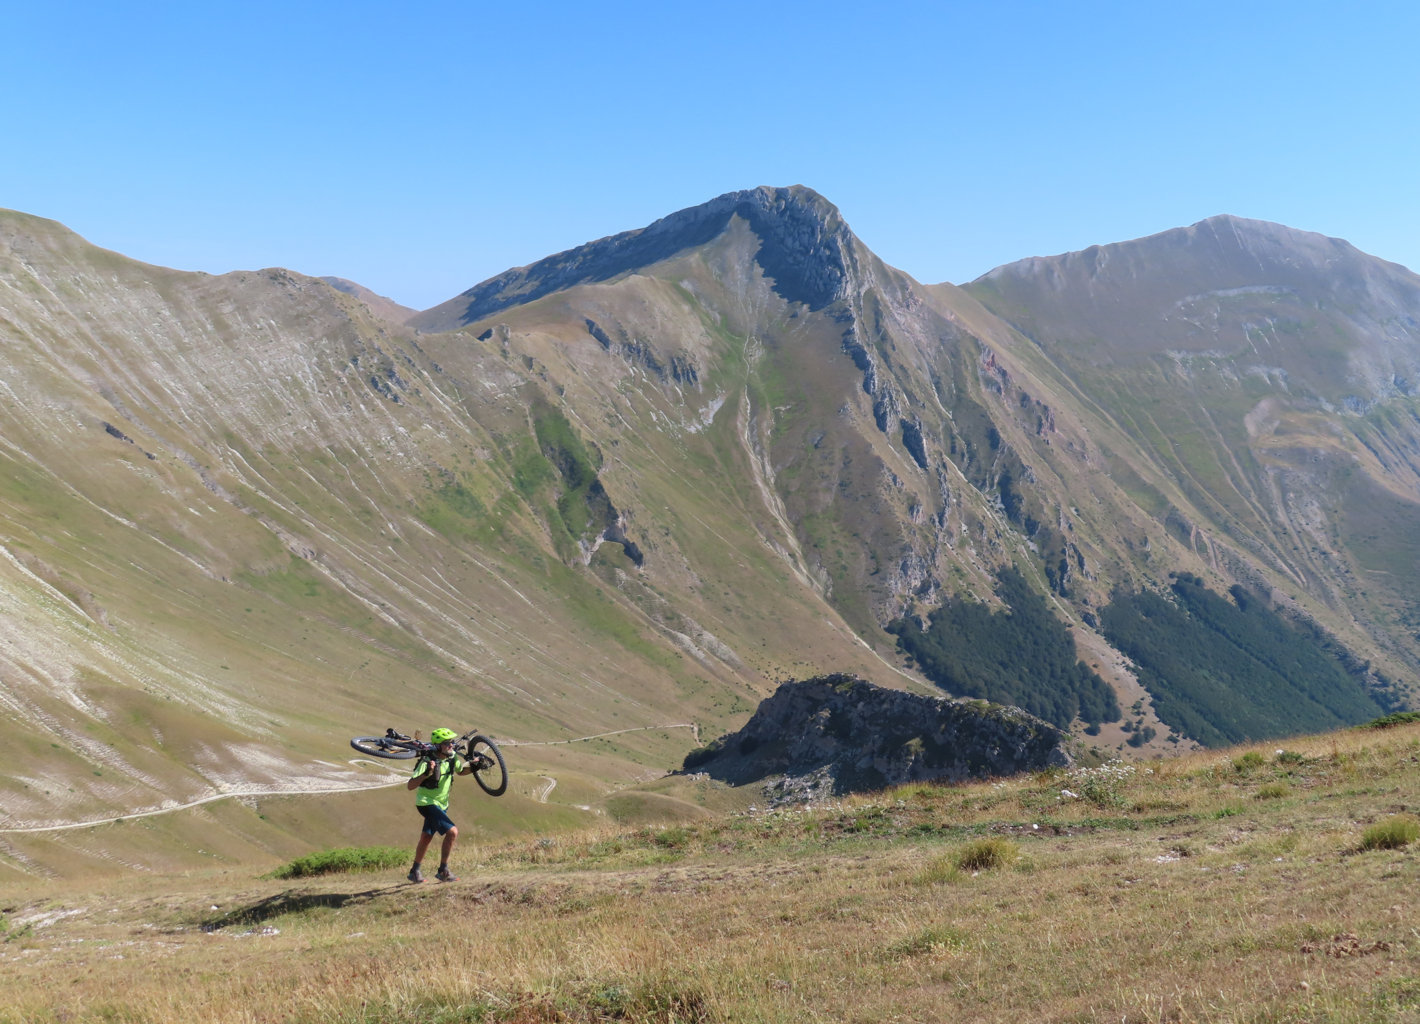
(445, 875)
(415, 875)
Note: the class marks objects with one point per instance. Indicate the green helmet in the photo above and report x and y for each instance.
(443, 735)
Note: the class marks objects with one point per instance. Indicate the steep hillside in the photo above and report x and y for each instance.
(601, 505)
(1253, 388)
(245, 519)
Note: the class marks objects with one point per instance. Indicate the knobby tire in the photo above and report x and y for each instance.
(379, 746)
(493, 780)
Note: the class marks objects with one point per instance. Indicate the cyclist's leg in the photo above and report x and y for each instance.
(434, 821)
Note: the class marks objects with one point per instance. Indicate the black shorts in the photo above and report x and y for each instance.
(435, 820)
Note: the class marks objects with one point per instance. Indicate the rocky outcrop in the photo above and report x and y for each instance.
(838, 734)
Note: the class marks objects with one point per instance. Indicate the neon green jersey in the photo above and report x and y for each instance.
(438, 795)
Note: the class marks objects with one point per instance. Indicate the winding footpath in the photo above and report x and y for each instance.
(397, 777)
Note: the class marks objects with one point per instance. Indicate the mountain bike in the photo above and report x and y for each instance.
(489, 770)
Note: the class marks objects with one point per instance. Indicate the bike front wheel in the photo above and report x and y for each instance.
(380, 746)
(489, 771)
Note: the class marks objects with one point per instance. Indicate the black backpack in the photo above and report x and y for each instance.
(437, 779)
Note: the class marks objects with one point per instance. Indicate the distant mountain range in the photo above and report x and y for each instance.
(630, 488)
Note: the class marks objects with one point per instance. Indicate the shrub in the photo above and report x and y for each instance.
(1247, 762)
(986, 854)
(926, 942)
(1398, 718)
(346, 859)
(1391, 834)
(1102, 785)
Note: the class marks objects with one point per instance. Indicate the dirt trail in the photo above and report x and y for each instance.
(397, 777)
(246, 791)
(694, 731)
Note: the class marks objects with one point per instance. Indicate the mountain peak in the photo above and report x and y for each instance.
(25, 232)
(803, 241)
(1214, 254)
(1222, 238)
(1268, 241)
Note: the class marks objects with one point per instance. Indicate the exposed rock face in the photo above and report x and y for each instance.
(803, 247)
(838, 734)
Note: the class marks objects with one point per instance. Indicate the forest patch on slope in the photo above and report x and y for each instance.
(1225, 671)
(1023, 656)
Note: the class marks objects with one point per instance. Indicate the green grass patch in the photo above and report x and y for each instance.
(297, 582)
(1392, 833)
(987, 854)
(345, 860)
(1248, 762)
(455, 511)
(933, 940)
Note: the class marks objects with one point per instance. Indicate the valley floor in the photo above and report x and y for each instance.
(1258, 884)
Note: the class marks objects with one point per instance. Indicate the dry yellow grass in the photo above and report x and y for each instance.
(1219, 887)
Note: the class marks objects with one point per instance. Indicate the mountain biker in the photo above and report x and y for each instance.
(433, 778)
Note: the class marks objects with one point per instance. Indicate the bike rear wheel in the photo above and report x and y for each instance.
(381, 746)
(492, 777)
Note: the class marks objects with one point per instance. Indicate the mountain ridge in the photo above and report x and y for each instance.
(244, 511)
(1215, 260)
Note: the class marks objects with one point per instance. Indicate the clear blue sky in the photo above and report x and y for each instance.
(419, 148)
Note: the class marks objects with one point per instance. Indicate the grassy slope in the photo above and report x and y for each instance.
(282, 555)
(1223, 886)
(1228, 413)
